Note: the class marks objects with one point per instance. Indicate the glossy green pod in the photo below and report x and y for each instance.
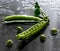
(31, 31)
(21, 17)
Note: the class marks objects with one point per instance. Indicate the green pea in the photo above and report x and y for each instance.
(54, 31)
(9, 43)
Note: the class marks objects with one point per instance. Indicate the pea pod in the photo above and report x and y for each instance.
(18, 21)
(31, 31)
(21, 17)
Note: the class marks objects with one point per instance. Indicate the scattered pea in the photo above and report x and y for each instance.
(42, 37)
(19, 29)
(54, 31)
(9, 43)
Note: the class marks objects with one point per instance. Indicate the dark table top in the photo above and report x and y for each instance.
(52, 43)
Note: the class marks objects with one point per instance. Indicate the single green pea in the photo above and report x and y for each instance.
(19, 29)
(9, 43)
(54, 31)
(36, 12)
(42, 37)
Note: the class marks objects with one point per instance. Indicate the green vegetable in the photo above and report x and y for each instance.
(31, 31)
(42, 37)
(37, 10)
(54, 31)
(9, 43)
(16, 21)
(37, 5)
(21, 17)
(19, 29)
(43, 13)
(46, 19)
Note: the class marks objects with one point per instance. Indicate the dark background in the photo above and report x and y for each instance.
(52, 43)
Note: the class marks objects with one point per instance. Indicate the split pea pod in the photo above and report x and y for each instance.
(31, 31)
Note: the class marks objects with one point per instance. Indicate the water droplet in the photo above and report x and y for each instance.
(9, 12)
(23, 1)
(21, 12)
(43, 4)
(7, 7)
(0, 6)
(18, 8)
(58, 13)
(2, 1)
(17, 0)
(12, 0)
(54, 8)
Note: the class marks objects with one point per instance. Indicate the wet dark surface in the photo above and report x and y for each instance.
(52, 43)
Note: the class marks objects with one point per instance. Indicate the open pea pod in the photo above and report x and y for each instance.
(21, 18)
(32, 30)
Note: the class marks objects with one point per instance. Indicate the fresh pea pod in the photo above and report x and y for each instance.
(21, 17)
(18, 21)
(31, 31)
